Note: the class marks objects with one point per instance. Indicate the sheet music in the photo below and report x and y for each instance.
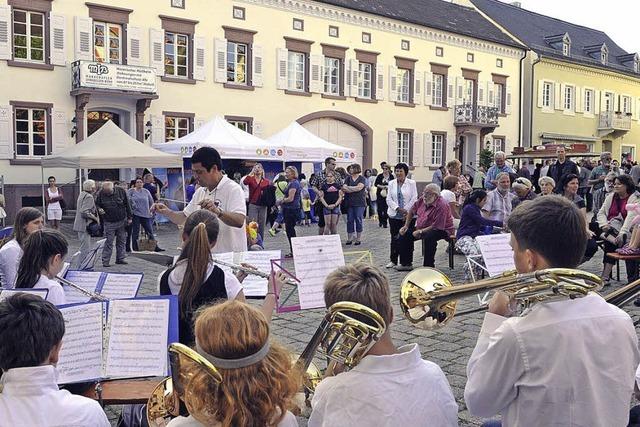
(137, 338)
(121, 286)
(85, 279)
(225, 257)
(497, 253)
(252, 285)
(6, 293)
(314, 257)
(81, 353)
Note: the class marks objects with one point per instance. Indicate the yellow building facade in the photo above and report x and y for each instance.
(389, 89)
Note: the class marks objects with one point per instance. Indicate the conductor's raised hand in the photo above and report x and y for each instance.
(160, 208)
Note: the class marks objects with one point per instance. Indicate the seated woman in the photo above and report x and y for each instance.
(570, 184)
(43, 259)
(473, 224)
(547, 184)
(259, 377)
(448, 193)
(27, 221)
(614, 222)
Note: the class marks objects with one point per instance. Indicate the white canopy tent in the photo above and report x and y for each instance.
(230, 141)
(109, 147)
(302, 145)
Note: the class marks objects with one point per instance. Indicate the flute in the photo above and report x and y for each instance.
(92, 295)
(249, 270)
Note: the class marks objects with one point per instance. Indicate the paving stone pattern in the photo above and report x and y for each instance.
(449, 347)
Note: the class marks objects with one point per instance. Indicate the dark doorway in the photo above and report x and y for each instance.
(95, 120)
(461, 147)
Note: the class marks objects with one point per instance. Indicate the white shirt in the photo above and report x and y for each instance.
(230, 198)
(30, 398)
(10, 255)
(231, 283)
(448, 195)
(565, 363)
(56, 294)
(409, 193)
(498, 205)
(394, 390)
(289, 420)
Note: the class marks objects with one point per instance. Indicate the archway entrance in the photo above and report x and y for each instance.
(95, 120)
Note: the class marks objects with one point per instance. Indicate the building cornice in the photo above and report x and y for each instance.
(379, 23)
(589, 71)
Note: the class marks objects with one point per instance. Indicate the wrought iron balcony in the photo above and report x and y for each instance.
(614, 121)
(475, 115)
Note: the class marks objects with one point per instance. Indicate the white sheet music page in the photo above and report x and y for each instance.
(138, 331)
(252, 285)
(121, 286)
(314, 257)
(81, 353)
(87, 280)
(497, 253)
(6, 293)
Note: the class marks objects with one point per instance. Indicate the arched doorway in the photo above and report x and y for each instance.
(95, 120)
(343, 129)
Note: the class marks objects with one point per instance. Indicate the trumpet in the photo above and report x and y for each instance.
(249, 270)
(428, 299)
(93, 295)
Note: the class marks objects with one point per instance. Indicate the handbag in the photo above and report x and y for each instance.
(63, 204)
(94, 229)
(147, 244)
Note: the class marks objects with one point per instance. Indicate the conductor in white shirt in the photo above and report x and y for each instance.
(219, 194)
(390, 386)
(564, 363)
(31, 331)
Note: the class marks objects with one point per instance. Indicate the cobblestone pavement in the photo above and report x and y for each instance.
(449, 347)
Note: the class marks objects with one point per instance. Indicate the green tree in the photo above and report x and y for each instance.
(486, 158)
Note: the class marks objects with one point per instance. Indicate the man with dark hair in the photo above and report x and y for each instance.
(115, 210)
(220, 195)
(31, 331)
(554, 365)
(561, 168)
(318, 181)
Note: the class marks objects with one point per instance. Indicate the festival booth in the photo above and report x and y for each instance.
(110, 147)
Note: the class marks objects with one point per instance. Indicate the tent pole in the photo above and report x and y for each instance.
(184, 186)
(42, 181)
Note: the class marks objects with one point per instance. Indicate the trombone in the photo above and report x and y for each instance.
(93, 295)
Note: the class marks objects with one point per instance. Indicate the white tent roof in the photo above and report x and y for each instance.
(231, 142)
(302, 145)
(110, 147)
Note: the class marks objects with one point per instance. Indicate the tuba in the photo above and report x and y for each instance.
(345, 335)
(428, 298)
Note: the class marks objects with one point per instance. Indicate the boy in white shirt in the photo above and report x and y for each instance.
(564, 363)
(390, 386)
(31, 331)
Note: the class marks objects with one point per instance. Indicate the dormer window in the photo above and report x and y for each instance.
(566, 48)
(636, 65)
(604, 55)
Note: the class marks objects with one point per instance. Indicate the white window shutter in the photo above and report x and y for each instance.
(379, 82)
(557, 96)
(283, 63)
(6, 132)
(157, 129)
(428, 88)
(220, 48)
(257, 57)
(393, 83)
(540, 93)
(637, 108)
(134, 45)
(392, 148)
(354, 65)
(257, 129)
(459, 90)
(563, 87)
(578, 101)
(198, 123)
(416, 158)
(417, 87)
(600, 106)
(491, 96)
(315, 78)
(451, 91)
(616, 102)
(508, 102)
(59, 130)
(156, 50)
(83, 38)
(427, 144)
(482, 88)
(447, 147)
(57, 24)
(199, 60)
(5, 33)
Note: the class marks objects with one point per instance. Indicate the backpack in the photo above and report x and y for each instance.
(268, 196)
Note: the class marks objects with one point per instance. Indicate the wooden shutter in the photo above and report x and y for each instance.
(578, 101)
(283, 63)
(557, 96)
(6, 132)
(417, 154)
(134, 45)
(508, 102)
(83, 38)
(157, 129)
(392, 148)
(393, 83)
(379, 82)
(459, 90)
(220, 48)
(5, 33)
(156, 50)
(491, 96)
(428, 88)
(540, 93)
(257, 56)
(315, 78)
(427, 143)
(57, 36)
(482, 89)
(417, 87)
(59, 130)
(354, 66)
(451, 89)
(199, 60)
(447, 147)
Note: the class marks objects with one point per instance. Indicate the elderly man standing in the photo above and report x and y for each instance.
(500, 166)
(113, 205)
(433, 221)
(499, 201)
(561, 168)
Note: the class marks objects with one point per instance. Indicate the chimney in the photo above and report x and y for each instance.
(516, 4)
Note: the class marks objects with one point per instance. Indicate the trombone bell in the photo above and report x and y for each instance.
(416, 302)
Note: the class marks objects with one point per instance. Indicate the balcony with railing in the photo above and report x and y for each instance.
(610, 121)
(469, 114)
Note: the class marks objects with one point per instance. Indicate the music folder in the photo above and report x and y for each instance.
(125, 338)
(109, 285)
(6, 293)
